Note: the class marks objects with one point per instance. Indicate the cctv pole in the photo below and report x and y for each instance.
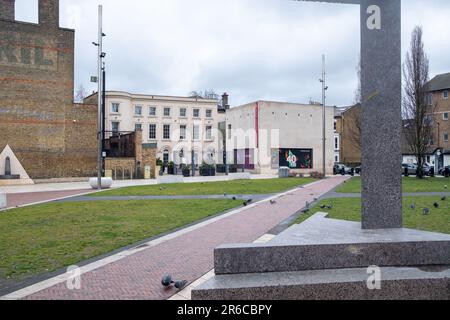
(324, 88)
(100, 87)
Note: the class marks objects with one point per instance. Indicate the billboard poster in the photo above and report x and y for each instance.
(296, 158)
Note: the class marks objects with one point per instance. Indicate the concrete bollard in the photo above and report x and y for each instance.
(3, 203)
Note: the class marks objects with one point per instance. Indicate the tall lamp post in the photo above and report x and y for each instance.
(100, 56)
(324, 89)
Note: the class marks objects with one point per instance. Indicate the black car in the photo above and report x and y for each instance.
(358, 170)
(442, 171)
(340, 168)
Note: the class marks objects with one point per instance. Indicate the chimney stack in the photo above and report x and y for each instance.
(7, 10)
(49, 13)
(225, 101)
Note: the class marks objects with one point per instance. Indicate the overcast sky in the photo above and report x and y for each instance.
(252, 49)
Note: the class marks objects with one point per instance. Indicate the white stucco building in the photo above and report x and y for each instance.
(175, 125)
(265, 135)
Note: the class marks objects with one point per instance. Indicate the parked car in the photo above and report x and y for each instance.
(412, 169)
(358, 170)
(442, 171)
(340, 168)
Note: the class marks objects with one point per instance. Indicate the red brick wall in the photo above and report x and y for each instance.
(51, 136)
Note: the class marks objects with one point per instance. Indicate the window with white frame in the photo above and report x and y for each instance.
(183, 112)
(138, 110)
(229, 131)
(336, 143)
(208, 113)
(208, 133)
(115, 107)
(445, 116)
(445, 94)
(166, 131)
(182, 132)
(196, 132)
(152, 111)
(152, 131)
(196, 113)
(445, 137)
(115, 127)
(166, 112)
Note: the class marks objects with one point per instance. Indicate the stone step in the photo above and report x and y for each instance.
(322, 243)
(397, 283)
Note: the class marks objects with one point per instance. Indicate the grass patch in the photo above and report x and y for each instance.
(350, 209)
(43, 238)
(410, 185)
(265, 186)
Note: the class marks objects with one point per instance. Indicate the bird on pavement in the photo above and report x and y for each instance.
(273, 202)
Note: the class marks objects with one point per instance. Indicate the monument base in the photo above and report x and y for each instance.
(15, 182)
(328, 259)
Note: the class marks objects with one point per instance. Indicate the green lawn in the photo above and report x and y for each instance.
(42, 238)
(350, 209)
(265, 186)
(410, 184)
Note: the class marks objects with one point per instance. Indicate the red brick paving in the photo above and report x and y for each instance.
(20, 199)
(188, 256)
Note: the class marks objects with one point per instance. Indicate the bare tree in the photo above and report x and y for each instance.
(417, 112)
(80, 94)
(205, 94)
(353, 126)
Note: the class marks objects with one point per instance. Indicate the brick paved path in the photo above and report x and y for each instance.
(188, 256)
(20, 199)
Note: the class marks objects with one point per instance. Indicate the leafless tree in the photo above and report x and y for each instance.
(353, 126)
(80, 94)
(205, 94)
(416, 109)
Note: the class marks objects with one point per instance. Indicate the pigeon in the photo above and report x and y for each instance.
(225, 194)
(436, 205)
(305, 211)
(272, 202)
(245, 203)
(445, 187)
(413, 206)
(234, 198)
(180, 284)
(166, 281)
(249, 200)
(322, 206)
(330, 207)
(444, 198)
(426, 211)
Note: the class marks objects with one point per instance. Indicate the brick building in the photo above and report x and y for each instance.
(348, 131)
(51, 136)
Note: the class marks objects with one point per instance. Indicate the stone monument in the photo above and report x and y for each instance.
(331, 259)
(8, 175)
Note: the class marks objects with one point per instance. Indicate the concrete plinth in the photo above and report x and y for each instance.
(328, 259)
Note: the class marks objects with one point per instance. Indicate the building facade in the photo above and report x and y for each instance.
(175, 126)
(50, 135)
(348, 131)
(264, 136)
(439, 88)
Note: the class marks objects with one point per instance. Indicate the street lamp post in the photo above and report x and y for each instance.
(100, 75)
(324, 89)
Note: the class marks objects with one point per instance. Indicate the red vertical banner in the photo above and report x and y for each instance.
(257, 124)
